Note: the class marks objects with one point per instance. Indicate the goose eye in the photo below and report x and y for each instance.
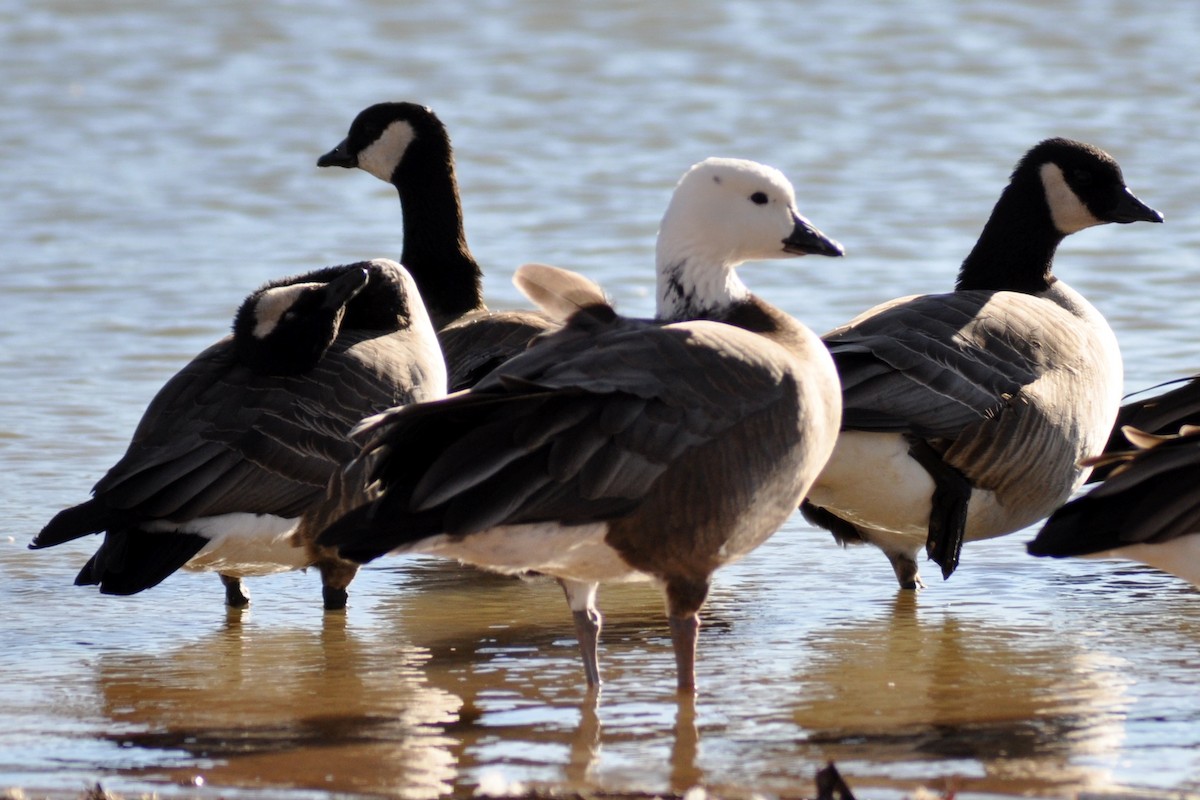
(759, 198)
(1082, 177)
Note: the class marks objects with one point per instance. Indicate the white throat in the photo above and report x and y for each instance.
(273, 304)
(693, 287)
(1069, 213)
(381, 156)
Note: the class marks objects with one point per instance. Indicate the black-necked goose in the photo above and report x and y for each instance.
(966, 414)
(1147, 510)
(406, 145)
(244, 438)
(618, 449)
(1159, 414)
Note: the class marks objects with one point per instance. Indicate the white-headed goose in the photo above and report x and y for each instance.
(406, 145)
(966, 414)
(244, 438)
(618, 449)
(1147, 510)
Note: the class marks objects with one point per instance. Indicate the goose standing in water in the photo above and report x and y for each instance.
(1147, 509)
(244, 438)
(406, 145)
(618, 449)
(966, 414)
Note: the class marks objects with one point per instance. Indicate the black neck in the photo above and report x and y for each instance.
(1015, 252)
(435, 245)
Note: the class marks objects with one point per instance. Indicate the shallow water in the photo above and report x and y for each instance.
(161, 165)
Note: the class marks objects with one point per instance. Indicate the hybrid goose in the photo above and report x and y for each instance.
(244, 438)
(1147, 510)
(966, 415)
(406, 145)
(617, 449)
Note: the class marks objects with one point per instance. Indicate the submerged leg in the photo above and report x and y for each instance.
(948, 511)
(684, 599)
(236, 595)
(905, 567)
(581, 597)
(336, 575)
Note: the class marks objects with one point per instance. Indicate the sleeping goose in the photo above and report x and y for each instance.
(245, 437)
(617, 449)
(966, 414)
(1147, 510)
(407, 146)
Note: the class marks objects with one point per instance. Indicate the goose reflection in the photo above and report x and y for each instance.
(296, 708)
(525, 723)
(950, 692)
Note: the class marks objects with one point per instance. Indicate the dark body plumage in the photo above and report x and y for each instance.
(618, 449)
(966, 414)
(1164, 413)
(1148, 509)
(245, 437)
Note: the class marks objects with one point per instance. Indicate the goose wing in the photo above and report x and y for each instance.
(1163, 413)
(477, 343)
(1150, 498)
(219, 438)
(933, 364)
(576, 430)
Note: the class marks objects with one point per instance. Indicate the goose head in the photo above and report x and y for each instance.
(381, 136)
(286, 327)
(725, 212)
(1082, 184)
(1059, 187)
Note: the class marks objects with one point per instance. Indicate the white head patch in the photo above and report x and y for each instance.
(1066, 209)
(381, 156)
(724, 211)
(272, 304)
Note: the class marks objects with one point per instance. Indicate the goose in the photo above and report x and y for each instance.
(1147, 510)
(406, 145)
(1160, 414)
(239, 442)
(966, 414)
(618, 449)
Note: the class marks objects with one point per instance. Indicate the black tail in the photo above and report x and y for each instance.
(72, 523)
(131, 560)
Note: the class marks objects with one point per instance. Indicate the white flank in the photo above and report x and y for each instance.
(1180, 557)
(576, 553)
(243, 544)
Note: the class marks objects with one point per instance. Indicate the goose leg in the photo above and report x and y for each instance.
(905, 567)
(336, 575)
(236, 595)
(948, 511)
(684, 599)
(581, 597)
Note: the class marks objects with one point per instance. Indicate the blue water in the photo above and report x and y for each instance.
(160, 164)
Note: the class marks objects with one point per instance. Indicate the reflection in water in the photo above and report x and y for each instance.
(962, 692)
(298, 708)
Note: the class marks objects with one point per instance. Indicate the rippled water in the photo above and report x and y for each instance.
(160, 165)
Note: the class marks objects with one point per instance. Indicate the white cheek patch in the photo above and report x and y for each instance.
(1066, 209)
(382, 155)
(273, 304)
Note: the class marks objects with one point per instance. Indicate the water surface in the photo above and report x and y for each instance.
(160, 165)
